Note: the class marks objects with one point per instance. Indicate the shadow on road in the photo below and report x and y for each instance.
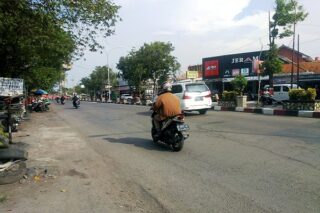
(146, 113)
(139, 142)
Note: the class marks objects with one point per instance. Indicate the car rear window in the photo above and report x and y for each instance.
(196, 88)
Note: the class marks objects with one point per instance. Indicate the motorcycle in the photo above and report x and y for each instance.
(76, 103)
(39, 106)
(172, 132)
(266, 98)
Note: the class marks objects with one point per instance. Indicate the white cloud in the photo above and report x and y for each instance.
(207, 15)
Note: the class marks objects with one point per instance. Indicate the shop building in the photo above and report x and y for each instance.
(219, 71)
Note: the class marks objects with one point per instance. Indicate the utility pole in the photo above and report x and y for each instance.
(298, 62)
(293, 43)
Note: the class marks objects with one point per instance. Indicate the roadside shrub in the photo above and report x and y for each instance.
(239, 83)
(311, 94)
(229, 95)
(2, 133)
(3, 136)
(302, 95)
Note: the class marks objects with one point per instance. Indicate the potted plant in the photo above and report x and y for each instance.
(239, 83)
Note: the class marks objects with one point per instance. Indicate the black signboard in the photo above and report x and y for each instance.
(231, 65)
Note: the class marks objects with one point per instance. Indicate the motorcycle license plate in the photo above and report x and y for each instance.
(182, 127)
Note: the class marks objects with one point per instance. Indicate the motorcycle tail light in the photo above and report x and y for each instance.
(180, 117)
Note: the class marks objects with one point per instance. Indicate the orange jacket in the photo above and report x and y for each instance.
(167, 105)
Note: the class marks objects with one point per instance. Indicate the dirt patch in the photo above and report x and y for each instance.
(73, 172)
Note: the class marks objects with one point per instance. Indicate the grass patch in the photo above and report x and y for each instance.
(3, 198)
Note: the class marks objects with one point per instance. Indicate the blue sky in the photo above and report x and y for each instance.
(197, 29)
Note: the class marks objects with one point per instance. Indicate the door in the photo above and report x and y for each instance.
(277, 93)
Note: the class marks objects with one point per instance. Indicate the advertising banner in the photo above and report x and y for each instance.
(192, 74)
(11, 86)
(211, 68)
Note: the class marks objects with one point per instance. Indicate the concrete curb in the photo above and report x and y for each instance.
(270, 111)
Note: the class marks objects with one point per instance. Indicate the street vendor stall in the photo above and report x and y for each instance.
(12, 160)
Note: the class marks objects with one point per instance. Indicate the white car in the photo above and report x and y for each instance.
(127, 98)
(194, 96)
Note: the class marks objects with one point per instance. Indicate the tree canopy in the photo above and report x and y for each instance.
(152, 61)
(287, 14)
(40, 36)
(98, 79)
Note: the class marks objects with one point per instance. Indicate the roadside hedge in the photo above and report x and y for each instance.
(229, 95)
(302, 95)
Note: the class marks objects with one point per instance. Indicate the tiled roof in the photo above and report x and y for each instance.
(304, 67)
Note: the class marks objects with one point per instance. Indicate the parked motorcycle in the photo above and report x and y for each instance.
(39, 106)
(172, 132)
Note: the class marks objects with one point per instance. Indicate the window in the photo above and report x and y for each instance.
(196, 88)
(276, 88)
(176, 89)
(285, 89)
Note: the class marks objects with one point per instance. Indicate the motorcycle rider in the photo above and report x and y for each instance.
(62, 99)
(266, 97)
(75, 100)
(167, 105)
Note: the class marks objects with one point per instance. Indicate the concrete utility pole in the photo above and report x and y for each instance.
(293, 43)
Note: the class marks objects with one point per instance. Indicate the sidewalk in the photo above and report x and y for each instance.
(268, 110)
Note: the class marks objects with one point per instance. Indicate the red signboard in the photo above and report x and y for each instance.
(211, 68)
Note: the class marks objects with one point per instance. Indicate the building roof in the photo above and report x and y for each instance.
(305, 56)
(304, 67)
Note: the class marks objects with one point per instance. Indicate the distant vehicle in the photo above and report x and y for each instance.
(126, 98)
(193, 95)
(281, 91)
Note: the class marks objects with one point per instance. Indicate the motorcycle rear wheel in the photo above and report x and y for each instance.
(153, 133)
(179, 142)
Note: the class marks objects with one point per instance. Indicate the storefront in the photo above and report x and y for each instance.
(219, 71)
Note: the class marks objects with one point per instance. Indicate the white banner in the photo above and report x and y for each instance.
(11, 86)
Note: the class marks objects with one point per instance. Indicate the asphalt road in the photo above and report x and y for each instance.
(232, 162)
(105, 161)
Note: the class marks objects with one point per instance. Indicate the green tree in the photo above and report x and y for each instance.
(98, 79)
(287, 14)
(132, 70)
(35, 35)
(152, 61)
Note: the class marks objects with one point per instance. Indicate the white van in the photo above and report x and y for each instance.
(281, 91)
(194, 96)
